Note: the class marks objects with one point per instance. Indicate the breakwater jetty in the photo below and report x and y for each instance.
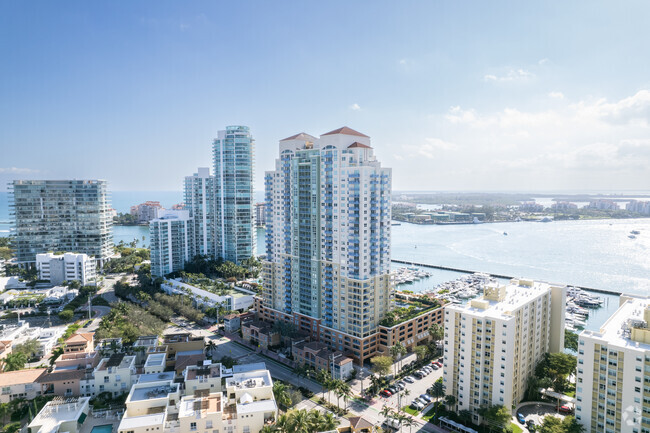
(467, 271)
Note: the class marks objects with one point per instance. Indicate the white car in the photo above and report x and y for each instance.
(409, 379)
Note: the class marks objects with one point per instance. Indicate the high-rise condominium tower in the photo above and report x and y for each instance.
(199, 201)
(493, 343)
(328, 237)
(61, 215)
(233, 194)
(171, 241)
(613, 380)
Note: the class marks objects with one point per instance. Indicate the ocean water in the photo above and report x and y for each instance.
(595, 254)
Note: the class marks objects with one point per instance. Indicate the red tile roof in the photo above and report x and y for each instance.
(356, 144)
(21, 376)
(347, 131)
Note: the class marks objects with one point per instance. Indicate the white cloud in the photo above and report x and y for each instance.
(16, 170)
(355, 107)
(556, 95)
(590, 144)
(543, 61)
(510, 75)
(402, 61)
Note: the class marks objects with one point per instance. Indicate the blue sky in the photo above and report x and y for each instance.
(456, 95)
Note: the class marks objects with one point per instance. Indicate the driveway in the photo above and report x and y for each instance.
(536, 411)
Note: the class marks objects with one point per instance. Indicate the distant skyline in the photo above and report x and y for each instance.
(456, 96)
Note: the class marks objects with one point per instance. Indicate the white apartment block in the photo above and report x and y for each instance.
(170, 241)
(61, 415)
(246, 406)
(199, 201)
(57, 268)
(613, 379)
(156, 363)
(493, 343)
(115, 374)
(235, 299)
(206, 377)
(20, 384)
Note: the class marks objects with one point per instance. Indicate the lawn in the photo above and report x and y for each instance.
(427, 416)
(515, 428)
(410, 410)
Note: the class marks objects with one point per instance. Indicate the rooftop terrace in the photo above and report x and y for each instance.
(153, 391)
(616, 330)
(253, 379)
(59, 411)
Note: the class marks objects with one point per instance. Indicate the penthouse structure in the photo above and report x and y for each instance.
(57, 268)
(171, 235)
(493, 343)
(61, 215)
(233, 194)
(61, 415)
(328, 238)
(613, 379)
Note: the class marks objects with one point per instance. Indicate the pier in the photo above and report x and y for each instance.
(467, 271)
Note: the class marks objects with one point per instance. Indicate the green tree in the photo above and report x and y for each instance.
(570, 340)
(66, 315)
(558, 367)
(381, 364)
(281, 394)
(497, 415)
(30, 348)
(450, 401)
(15, 361)
(420, 352)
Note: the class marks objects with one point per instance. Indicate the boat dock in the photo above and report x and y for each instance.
(467, 271)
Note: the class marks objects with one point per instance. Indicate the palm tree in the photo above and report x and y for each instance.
(346, 391)
(55, 354)
(323, 377)
(15, 361)
(437, 333)
(299, 422)
(395, 352)
(450, 400)
(281, 394)
(408, 421)
(386, 411)
(210, 347)
(437, 390)
(4, 411)
(328, 422)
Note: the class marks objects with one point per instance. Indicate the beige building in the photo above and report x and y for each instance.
(151, 407)
(206, 377)
(115, 374)
(613, 379)
(20, 384)
(493, 343)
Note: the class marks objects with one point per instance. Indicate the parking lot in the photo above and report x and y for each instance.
(419, 386)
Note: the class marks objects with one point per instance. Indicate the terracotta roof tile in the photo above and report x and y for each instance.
(357, 422)
(356, 144)
(21, 376)
(57, 376)
(347, 131)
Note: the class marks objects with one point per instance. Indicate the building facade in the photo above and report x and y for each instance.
(145, 212)
(170, 238)
(493, 343)
(57, 268)
(199, 201)
(328, 235)
(613, 379)
(61, 215)
(233, 194)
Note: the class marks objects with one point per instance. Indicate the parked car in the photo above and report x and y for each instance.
(409, 379)
(392, 389)
(438, 363)
(521, 419)
(531, 425)
(400, 386)
(417, 405)
(386, 393)
(566, 409)
(425, 398)
(418, 375)
(435, 367)
(392, 423)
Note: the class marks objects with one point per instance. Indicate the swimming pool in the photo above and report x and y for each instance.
(107, 428)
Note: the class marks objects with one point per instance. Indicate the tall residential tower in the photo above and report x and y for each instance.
(233, 194)
(199, 201)
(60, 216)
(328, 238)
(493, 343)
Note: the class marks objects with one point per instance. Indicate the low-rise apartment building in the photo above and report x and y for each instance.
(115, 374)
(156, 363)
(20, 384)
(493, 343)
(64, 383)
(206, 377)
(613, 379)
(82, 342)
(57, 268)
(260, 334)
(230, 298)
(181, 342)
(319, 356)
(151, 407)
(61, 415)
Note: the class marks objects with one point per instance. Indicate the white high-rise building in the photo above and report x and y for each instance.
(233, 194)
(57, 268)
(199, 201)
(613, 380)
(328, 238)
(61, 215)
(170, 241)
(493, 343)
